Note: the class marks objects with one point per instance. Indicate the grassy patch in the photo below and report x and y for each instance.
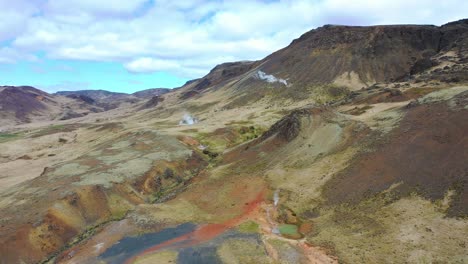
(239, 122)
(164, 194)
(420, 91)
(228, 137)
(288, 230)
(55, 129)
(158, 257)
(409, 230)
(118, 206)
(242, 251)
(197, 108)
(4, 137)
(249, 227)
(328, 93)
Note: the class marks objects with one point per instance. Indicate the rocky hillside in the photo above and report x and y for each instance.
(365, 55)
(23, 101)
(331, 57)
(149, 93)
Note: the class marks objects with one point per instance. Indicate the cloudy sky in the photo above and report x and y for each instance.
(129, 45)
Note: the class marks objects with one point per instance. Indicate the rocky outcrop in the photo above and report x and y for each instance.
(374, 54)
(148, 93)
(218, 75)
(454, 36)
(288, 127)
(152, 103)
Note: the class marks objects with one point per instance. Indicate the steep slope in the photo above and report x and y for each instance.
(218, 76)
(368, 54)
(414, 157)
(332, 54)
(327, 62)
(149, 93)
(20, 104)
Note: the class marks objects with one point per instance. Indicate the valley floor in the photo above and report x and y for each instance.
(364, 182)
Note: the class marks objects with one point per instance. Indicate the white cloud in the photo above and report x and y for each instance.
(14, 17)
(93, 7)
(9, 55)
(145, 65)
(189, 37)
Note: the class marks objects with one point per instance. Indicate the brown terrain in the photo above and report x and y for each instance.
(347, 146)
(27, 104)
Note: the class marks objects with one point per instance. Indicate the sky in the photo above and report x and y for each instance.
(131, 45)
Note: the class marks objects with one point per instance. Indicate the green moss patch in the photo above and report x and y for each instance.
(290, 231)
(249, 227)
(228, 137)
(242, 251)
(4, 137)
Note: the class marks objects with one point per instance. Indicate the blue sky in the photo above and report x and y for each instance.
(130, 45)
(54, 75)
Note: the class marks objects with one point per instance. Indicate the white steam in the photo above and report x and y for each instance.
(188, 120)
(98, 247)
(274, 228)
(276, 198)
(202, 147)
(270, 78)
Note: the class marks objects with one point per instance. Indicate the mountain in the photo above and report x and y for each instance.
(22, 103)
(111, 100)
(103, 95)
(327, 59)
(26, 104)
(105, 99)
(148, 93)
(218, 76)
(94, 94)
(347, 146)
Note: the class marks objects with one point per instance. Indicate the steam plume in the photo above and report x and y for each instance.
(270, 78)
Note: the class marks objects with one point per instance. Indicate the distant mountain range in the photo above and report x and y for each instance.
(103, 94)
(24, 104)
